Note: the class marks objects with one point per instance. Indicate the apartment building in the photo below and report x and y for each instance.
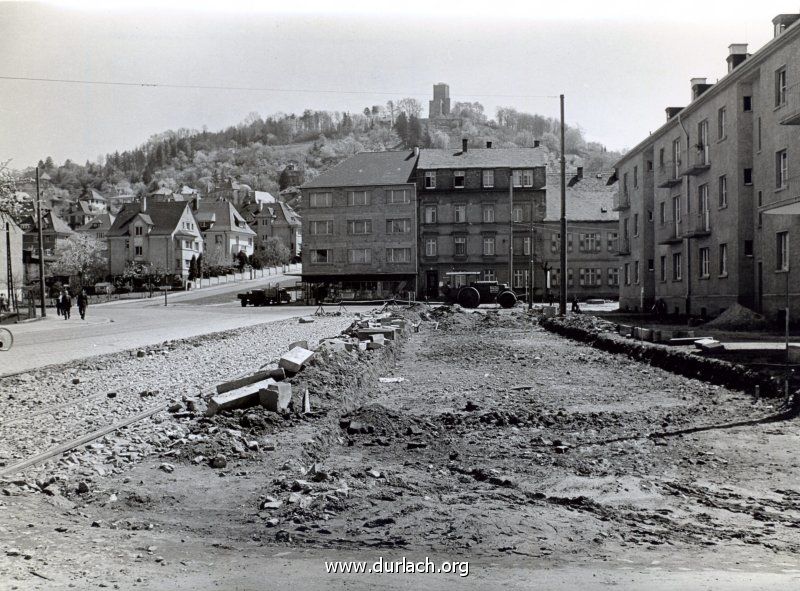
(359, 227)
(593, 265)
(467, 199)
(225, 231)
(706, 185)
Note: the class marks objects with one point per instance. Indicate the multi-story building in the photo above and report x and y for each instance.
(593, 266)
(225, 231)
(703, 186)
(274, 220)
(98, 226)
(465, 213)
(162, 236)
(360, 226)
(88, 205)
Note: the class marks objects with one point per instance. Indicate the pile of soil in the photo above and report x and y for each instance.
(738, 317)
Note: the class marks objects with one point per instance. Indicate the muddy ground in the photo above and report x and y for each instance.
(524, 453)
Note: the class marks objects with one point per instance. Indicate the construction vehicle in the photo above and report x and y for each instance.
(480, 292)
(267, 296)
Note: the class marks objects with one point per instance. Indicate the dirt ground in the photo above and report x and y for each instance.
(514, 449)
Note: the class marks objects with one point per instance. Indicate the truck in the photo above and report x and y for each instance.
(266, 296)
(480, 292)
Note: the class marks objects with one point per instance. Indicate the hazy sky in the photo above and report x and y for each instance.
(618, 63)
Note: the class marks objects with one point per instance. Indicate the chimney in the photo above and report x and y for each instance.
(783, 21)
(737, 54)
(672, 111)
(536, 143)
(699, 86)
(416, 151)
(579, 173)
(489, 144)
(464, 145)
(144, 203)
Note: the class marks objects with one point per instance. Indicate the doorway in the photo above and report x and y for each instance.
(432, 284)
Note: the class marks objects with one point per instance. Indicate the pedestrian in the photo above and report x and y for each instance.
(66, 304)
(83, 303)
(575, 307)
(3, 303)
(59, 297)
(549, 298)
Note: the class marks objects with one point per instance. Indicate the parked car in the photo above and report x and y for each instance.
(104, 288)
(267, 296)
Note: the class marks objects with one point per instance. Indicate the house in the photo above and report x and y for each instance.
(592, 237)
(229, 189)
(694, 197)
(274, 220)
(467, 200)
(98, 226)
(163, 236)
(224, 230)
(359, 226)
(11, 235)
(54, 232)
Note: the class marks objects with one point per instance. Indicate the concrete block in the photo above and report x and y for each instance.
(386, 331)
(646, 334)
(306, 320)
(378, 338)
(709, 345)
(362, 345)
(295, 359)
(242, 397)
(682, 341)
(240, 382)
(335, 345)
(375, 345)
(303, 344)
(276, 397)
(549, 311)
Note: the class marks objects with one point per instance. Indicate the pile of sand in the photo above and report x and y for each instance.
(738, 317)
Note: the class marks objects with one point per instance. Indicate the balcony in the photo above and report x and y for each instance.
(670, 232)
(702, 162)
(670, 182)
(701, 225)
(622, 202)
(789, 114)
(623, 246)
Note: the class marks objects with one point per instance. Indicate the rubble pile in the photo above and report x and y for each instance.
(738, 317)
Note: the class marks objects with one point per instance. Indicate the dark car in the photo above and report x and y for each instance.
(265, 297)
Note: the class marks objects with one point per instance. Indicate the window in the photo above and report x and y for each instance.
(320, 228)
(431, 247)
(627, 273)
(488, 214)
(721, 121)
(187, 263)
(555, 242)
(589, 242)
(636, 272)
(780, 87)
(430, 214)
(748, 176)
(217, 239)
(137, 250)
(357, 198)
(661, 158)
(488, 179)
(430, 179)
(321, 255)
(625, 184)
(589, 277)
(398, 196)
(781, 169)
(705, 270)
(635, 177)
(359, 227)
(570, 278)
(613, 276)
(488, 246)
(748, 248)
(663, 267)
(460, 246)
(662, 213)
(520, 278)
(522, 178)
(401, 226)
(723, 260)
(517, 213)
(782, 251)
(702, 142)
(677, 263)
(138, 230)
(612, 238)
(758, 134)
(398, 255)
(489, 275)
(458, 179)
(723, 191)
(636, 224)
(747, 103)
(359, 255)
(320, 200)
(676, 158)
(460, 213)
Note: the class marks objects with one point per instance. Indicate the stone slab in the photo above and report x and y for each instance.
(295, 359)
(242, 397)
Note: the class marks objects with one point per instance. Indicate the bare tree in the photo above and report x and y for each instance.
(409, 106)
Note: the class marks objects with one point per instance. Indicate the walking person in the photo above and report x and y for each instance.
(83, 303)
(59, 297)
(66, 304)
(575, 307)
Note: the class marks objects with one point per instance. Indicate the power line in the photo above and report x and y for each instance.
(253, 88)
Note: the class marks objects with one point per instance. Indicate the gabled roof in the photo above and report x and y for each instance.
(224, 215)
(99, 223)
(431, 159)
(264, 197)
(368, 169)
(53, 223)
(163, 217)
(589, 199)
(89, 193)
(289, 214)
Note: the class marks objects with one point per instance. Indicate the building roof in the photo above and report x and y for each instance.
(368, 169)
(99, 223)
(52, 223)
(223, 215)
(162, 217)
(92, 195)
(264, 197)
(430, 159)
(589, 199)
(289, 214)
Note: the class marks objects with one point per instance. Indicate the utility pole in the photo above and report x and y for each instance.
(562, 300)
(511, 229)
(41, 243)
(533, 257)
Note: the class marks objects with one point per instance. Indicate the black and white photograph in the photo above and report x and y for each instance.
(421, 295)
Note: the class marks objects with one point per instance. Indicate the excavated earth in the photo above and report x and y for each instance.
(542, 461)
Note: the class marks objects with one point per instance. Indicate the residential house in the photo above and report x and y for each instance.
(467, 199)
(593, 268)
(98, 226)
(54, 232)
(229, 189)
(163, 236)
(274, 220)
(88, 205)
(359, 226)
(225, 231)
(713, 177)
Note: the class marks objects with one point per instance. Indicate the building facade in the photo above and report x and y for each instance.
(225, 232)
(709, 178)
(466, 211)
(359, 227)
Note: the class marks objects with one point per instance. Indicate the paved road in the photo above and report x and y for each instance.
(127, 324)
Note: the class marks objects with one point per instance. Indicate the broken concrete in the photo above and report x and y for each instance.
(276, 397)
(295, 359)
(241, 397)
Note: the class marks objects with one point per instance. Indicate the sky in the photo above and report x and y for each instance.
(618, 63)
